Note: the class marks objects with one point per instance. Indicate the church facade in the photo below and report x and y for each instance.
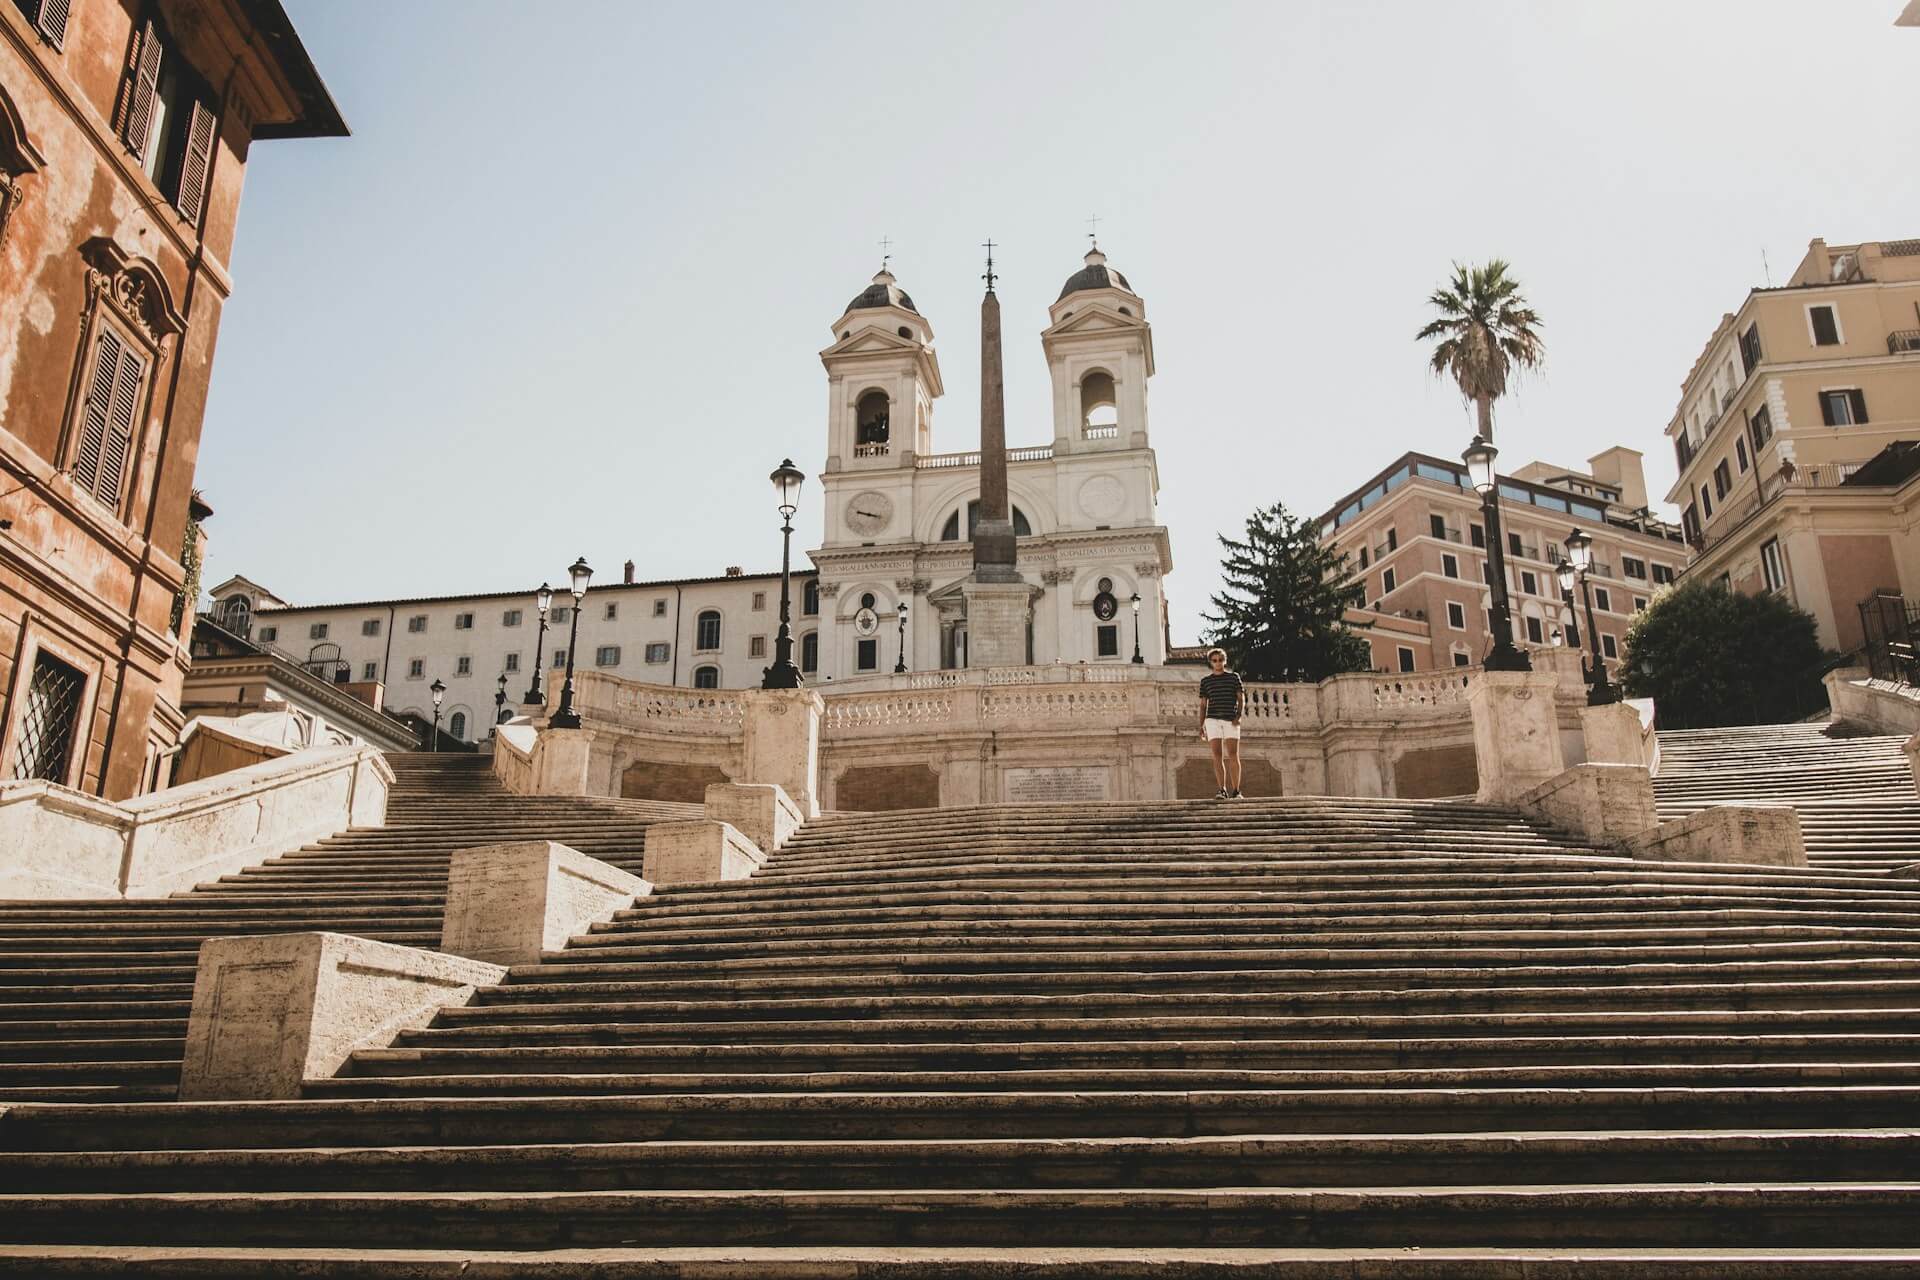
(900, 514)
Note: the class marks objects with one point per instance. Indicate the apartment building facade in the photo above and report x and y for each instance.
(1416, 546)
(125, 129)
(713, 633)
(1795, 436)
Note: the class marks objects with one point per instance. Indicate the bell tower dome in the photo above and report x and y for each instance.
(882, 380)
(1100, 354)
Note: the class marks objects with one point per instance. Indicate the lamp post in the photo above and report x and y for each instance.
(783, 674)
(1600, 690)
(499, 705)
(541, 602)
(439, 692)
(901, 665)
(1504, 656)
(1136, 630)
(578, 576)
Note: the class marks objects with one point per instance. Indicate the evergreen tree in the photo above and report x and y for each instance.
(1708, 656)
(1280, 615)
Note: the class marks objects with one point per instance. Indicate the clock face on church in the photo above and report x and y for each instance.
(868, 513)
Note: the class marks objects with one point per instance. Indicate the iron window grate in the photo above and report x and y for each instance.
(50, 719)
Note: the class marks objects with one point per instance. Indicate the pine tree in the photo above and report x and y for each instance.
(1280, 617)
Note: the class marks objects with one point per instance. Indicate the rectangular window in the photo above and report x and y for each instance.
(1662, 575)
(1602, 600)
(868, 656)
(1825, 326)
(1607, 645)
(1386, 582)
(1573, 633)
(810, 651)
(1760, 427)
(1706, 502)
(1639, 604)
(1461, 659)
(561, 615)
(370, 627)
(511, 618)
(1690, 523)
(50, 720)
(759, 600)
(706, 677)
(613, 610)
(166, 119)
(707, 631)
(1456, 615)
(269, 634)
(317, 631)
(463, 622)
(512, 663)
(559, 658)
(463, 666)
(1406, 658)
(660, 608)
(1750, 349)
(1393, 539)
(1534, 634)
(1722, 478)
(659, 651)
(1438, 524)
(756, 646)
(416, 667)
(1772, 565)
(1363, 557)
(49, 18)
(1529, 585)
(1740, 453)
(1844, 408)
(1632, 568)
(1106, 642)
(1477, 535)
(417, 623)
(607, 655)
(1450, 565)
(1513, 544)
(370, 671)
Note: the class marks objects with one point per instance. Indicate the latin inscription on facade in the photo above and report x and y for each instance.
(1055, 786)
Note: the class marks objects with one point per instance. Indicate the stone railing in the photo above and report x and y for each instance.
(1881, 705)
(657, 708)
(513, 756)
(63, 843)
(1031, 453)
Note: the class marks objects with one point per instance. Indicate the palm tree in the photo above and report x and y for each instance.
(1485, 330)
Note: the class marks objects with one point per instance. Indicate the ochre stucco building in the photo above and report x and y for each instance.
(124, 132)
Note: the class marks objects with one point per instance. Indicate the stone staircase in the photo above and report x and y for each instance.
(1312, 1037)
(94, 995)
(1858, 808)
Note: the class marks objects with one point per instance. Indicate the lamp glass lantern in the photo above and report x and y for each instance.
(1479, 458)
(1580, 549)
(439, 692)
(543, 599)
(579, 574)
(787, 479)
(1566, 573)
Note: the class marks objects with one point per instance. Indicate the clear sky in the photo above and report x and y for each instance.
(563, 290)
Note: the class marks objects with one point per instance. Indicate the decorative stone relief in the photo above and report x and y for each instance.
(1147, 568)
(1102, 497)
(1054, 577)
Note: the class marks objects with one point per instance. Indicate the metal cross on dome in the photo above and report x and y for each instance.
(886, 246)
(1093, 233)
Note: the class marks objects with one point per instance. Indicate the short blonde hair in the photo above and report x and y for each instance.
(1211, 652)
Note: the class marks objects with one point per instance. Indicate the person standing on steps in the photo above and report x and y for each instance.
(1223, 699)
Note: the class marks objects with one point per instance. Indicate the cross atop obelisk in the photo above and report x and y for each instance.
(993, 545)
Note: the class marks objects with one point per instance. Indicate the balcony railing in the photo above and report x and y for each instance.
(870, 451)
(1903, 342)
(1032, 453)
(1100, 431)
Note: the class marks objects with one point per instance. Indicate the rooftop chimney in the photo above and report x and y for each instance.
(733, 571)
(629, 573)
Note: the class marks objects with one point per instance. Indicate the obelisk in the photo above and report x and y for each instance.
(998, 599)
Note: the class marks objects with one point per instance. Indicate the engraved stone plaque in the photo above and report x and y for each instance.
(1055, 786)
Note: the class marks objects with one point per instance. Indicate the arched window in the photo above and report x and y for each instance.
(706, 634)
(951, 531)
(236, 614)
(870, 417)
(810, 651)
(810, 597)
(706, 677)
(457, 725)
(1099, 406)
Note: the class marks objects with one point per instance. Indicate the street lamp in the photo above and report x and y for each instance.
(499, 705)
(578, 576)
(1504, 656)
(439, 692)
(901, 665)
(541, 602)
(783, 674)
(1600, 690)
(1136, 630)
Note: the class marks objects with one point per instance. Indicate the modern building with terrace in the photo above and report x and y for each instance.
(1796, 437)
(1416, 548)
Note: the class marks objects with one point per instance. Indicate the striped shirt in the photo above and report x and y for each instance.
(1222, 693)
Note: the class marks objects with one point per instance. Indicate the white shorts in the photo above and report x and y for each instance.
(1218, 729)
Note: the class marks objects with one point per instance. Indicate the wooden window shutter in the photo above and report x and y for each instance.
(140, 94)
(51, 21)
(120, 420)
(1859, 399)
(197, 164)
(1826, 409)
(97, 409)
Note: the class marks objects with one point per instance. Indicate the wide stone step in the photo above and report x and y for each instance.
(1884, 1214)
(1009, 1163)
